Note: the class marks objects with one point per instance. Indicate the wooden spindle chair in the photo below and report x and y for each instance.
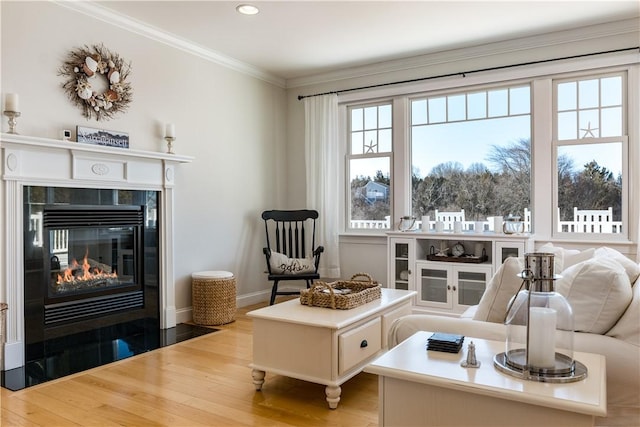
(288, 234)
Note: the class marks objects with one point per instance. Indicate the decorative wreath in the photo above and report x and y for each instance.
(82, 67)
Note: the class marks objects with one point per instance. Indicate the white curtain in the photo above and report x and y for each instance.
(322, 161)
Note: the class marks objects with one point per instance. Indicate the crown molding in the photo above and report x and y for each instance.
(107, 15)
(610, 29)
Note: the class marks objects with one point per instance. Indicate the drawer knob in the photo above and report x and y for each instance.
(364, 343)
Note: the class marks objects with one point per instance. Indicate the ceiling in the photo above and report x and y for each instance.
(291, 39)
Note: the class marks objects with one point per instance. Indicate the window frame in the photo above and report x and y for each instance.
(543, 165)
(350, 156)
(623, 139)
(465, 91)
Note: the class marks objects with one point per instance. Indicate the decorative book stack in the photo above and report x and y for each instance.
(449, 343)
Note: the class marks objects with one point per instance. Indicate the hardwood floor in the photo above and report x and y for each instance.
(205, 381)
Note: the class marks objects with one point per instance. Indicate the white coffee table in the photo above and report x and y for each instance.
(322, 345)
(428, 388)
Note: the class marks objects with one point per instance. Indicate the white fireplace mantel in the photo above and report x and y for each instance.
(47, 162)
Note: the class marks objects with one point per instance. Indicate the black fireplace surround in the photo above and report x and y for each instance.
(91, 273)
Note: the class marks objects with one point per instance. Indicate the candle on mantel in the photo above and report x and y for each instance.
(170, 131)
(11, 102)
(542, 337)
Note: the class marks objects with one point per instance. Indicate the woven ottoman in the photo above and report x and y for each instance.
(213, 297)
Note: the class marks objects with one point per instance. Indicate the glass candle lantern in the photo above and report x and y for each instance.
(539, 344)
(513, 224)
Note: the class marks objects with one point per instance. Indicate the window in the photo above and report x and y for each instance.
(470, 155)
(553, 148)
(590, 142)
(369, 163)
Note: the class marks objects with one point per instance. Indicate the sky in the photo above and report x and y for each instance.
(464, 142)
(470, 142)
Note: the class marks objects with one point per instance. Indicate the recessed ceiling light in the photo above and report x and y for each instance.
(247, 9)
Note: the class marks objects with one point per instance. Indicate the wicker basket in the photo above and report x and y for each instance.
(214, 297)
(329, 295)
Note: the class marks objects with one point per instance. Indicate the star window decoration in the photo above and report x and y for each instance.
(371, 148)
(588, 132)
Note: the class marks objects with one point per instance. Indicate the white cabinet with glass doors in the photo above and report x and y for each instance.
(451, 286)
(401, 261)
(432, 264)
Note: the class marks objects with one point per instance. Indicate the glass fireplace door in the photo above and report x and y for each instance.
(92, 252)
(91, 259)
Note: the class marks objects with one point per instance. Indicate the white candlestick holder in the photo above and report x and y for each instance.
(13, 122)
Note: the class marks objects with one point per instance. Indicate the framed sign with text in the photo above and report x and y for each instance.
(102, 137)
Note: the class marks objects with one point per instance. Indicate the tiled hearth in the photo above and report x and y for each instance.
(89, 349)
(29, 161)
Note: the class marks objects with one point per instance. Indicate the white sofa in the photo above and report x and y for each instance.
(603, 289)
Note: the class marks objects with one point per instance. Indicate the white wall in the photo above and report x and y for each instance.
(247, 135)
(232, 123)
(369, 254)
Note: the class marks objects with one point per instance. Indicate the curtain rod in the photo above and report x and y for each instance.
(464, 73)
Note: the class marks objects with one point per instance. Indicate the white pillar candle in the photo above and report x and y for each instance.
(170, 130)
(457, 227)
(439, 226)
(477, 249)
(497, 224)
(11, 102)
(426, 223)
(542, 337)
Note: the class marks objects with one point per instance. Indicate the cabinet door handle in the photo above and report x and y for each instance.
(409, 271)
(364, 343)
(454, 288)
(448, 287)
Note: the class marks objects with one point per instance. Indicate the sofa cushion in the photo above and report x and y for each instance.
(565, 258)
(282, 264)
(573, 257)
(558, 252)
(504, 284)
(628, 326)
(598, 291)
(632, 268)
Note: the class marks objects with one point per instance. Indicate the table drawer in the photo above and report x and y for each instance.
(358, 344)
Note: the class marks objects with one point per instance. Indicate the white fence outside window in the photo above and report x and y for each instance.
(584, 221)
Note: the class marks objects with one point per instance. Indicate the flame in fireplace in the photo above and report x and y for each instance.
(83, 272)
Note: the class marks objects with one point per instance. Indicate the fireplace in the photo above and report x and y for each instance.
(114, 181)
(91, 260)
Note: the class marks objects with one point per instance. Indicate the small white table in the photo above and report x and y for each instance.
(322, 345)
(429, 388)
